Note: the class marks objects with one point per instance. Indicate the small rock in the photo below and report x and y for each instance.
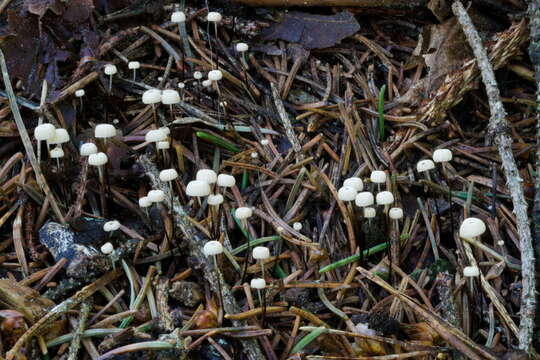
(188, 293)
(84, 260)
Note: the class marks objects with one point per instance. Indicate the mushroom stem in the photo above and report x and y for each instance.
(218, 282)
(134, 74)
(445, 176)
(110, 84)
(248, 251)
(262, 302)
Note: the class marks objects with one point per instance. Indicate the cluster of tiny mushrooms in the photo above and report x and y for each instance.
(207, 183)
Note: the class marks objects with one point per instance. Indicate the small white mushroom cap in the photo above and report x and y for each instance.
(156, 196)
(395, 213)
(215, 199)
(297, 226)
(134, 65)
(354, 182)
(60, 136)
(110, 69)
(178, 17)
(197, 188)
(111, 226)
(181, 85)
(254, 155)
(242, 47)
(369, 212)
(170, 97)
(442, 155)
(145, 202)
(207, 175)
(425, 165)
(225, 180)
(212, 248)
(364, 199)
(265, 142)
(44, 132)
(155, 135)
(107, 248)
(384, 198)
(364, 329)
(152, 96)
(214, 16)
(471, 228)
(280, 229)
(80, 93)
(97, 159)
(378, 177)
(88, 149)
(258, 283)
(207, 83)
(215, 75)
(165, 130)
(347, 193)
(261, 253)
(168, 175)
(103, 131)
(471, 271)
(243, 213)
(197, 75)
(57, 152)
(163, 145)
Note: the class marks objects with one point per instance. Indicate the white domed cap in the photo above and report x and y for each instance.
(214, 16)
(297, 226)
(364, 199)
(104, 131)
(471, 271)
(197, 188)
(347, 193)
(110, 69)
(425, 165)
(258, 283)
(169, 97)
(165, 130)
(354, 182)
(152, 96)
(97, 159)
(207, 175)
(134, 65)
(156, 135)
(243, 213)
(378, 177)
(442, 155)
(44, 132)
(197, 75)
(471, 228)
(369, 212)
(215, 75)
(265, 142)
(212, 248)
(178, 17)
(80, 93)
(60, 136)
(168, 175)
(181, 85)
(261, 253)
(384, 198)
(111, 226)
(156, 196)
(107, 248)
(88, 149)
(145, 202)
(57, 152)
(163, 145)
(215, 199)
(225, 180)
(207, 83)
(395, 213)
(242, 47)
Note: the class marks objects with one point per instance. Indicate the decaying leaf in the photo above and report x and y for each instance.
(313, 31)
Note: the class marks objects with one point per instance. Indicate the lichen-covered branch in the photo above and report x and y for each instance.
(499, 130)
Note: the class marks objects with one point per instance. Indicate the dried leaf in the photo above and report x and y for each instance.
(313, 31)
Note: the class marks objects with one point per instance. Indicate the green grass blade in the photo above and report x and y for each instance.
(218, 141)
(353, 258)
(306, 340)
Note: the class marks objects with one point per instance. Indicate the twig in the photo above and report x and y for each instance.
(76, 342)
(26, 139)
(499, 129)
(286, 122)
